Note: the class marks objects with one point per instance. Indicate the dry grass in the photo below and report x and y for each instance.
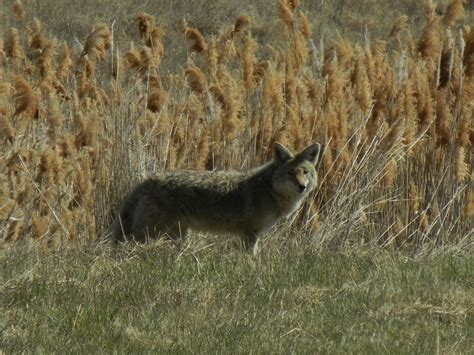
(148, 299)
(79, 126)
(218, 300)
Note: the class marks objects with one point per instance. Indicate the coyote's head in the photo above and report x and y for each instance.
(295, 175)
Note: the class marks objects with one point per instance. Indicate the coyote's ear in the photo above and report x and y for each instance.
(311, 153)
(281, 154)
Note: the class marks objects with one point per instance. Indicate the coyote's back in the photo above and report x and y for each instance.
(242, 203)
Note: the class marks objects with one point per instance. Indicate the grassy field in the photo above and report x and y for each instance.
(97, 95)
(218, 300)
(70, 20)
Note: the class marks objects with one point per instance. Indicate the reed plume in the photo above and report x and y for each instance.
(293, 3)
(241, 23)
(232, 123)
(362, 89)
(462, 167)
(430, 43)
(305, 26)
(26, 101)
(133, 59)
(146, 24)
(154, 41)
(38, 39)
(19, 10)
(12, 46)
(152, 34)
(212, 57)
(196, 79)
(156, 99)
(218, 95)
(344, 50)
(199, 42)
(54, 118)
(66, 64)
(248, 62)
(400, 25)
(48, 166)
(286, 14)
(454, 12)
(46, 62)
(98, 42)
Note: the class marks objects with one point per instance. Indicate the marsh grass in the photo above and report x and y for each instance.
(378, 260)
(211, 298)
(82, 122)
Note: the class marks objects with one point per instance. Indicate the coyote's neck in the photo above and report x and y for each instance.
(285, 204)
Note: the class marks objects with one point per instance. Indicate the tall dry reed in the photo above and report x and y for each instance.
(394, 115)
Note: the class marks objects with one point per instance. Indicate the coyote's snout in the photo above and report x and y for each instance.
(243, 203)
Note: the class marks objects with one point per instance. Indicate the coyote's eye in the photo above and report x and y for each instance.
(306, 172)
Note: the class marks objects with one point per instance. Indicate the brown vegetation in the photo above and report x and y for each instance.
(81, 125)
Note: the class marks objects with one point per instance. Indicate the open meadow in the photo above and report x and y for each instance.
(95, 96)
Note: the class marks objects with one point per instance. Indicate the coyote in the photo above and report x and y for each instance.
(246, 204)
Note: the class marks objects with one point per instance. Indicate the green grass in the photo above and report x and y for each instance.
(218, 299)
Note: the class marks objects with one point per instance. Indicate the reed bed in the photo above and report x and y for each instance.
(80, 124)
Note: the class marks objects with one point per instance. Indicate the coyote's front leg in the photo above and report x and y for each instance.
(251, 242)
